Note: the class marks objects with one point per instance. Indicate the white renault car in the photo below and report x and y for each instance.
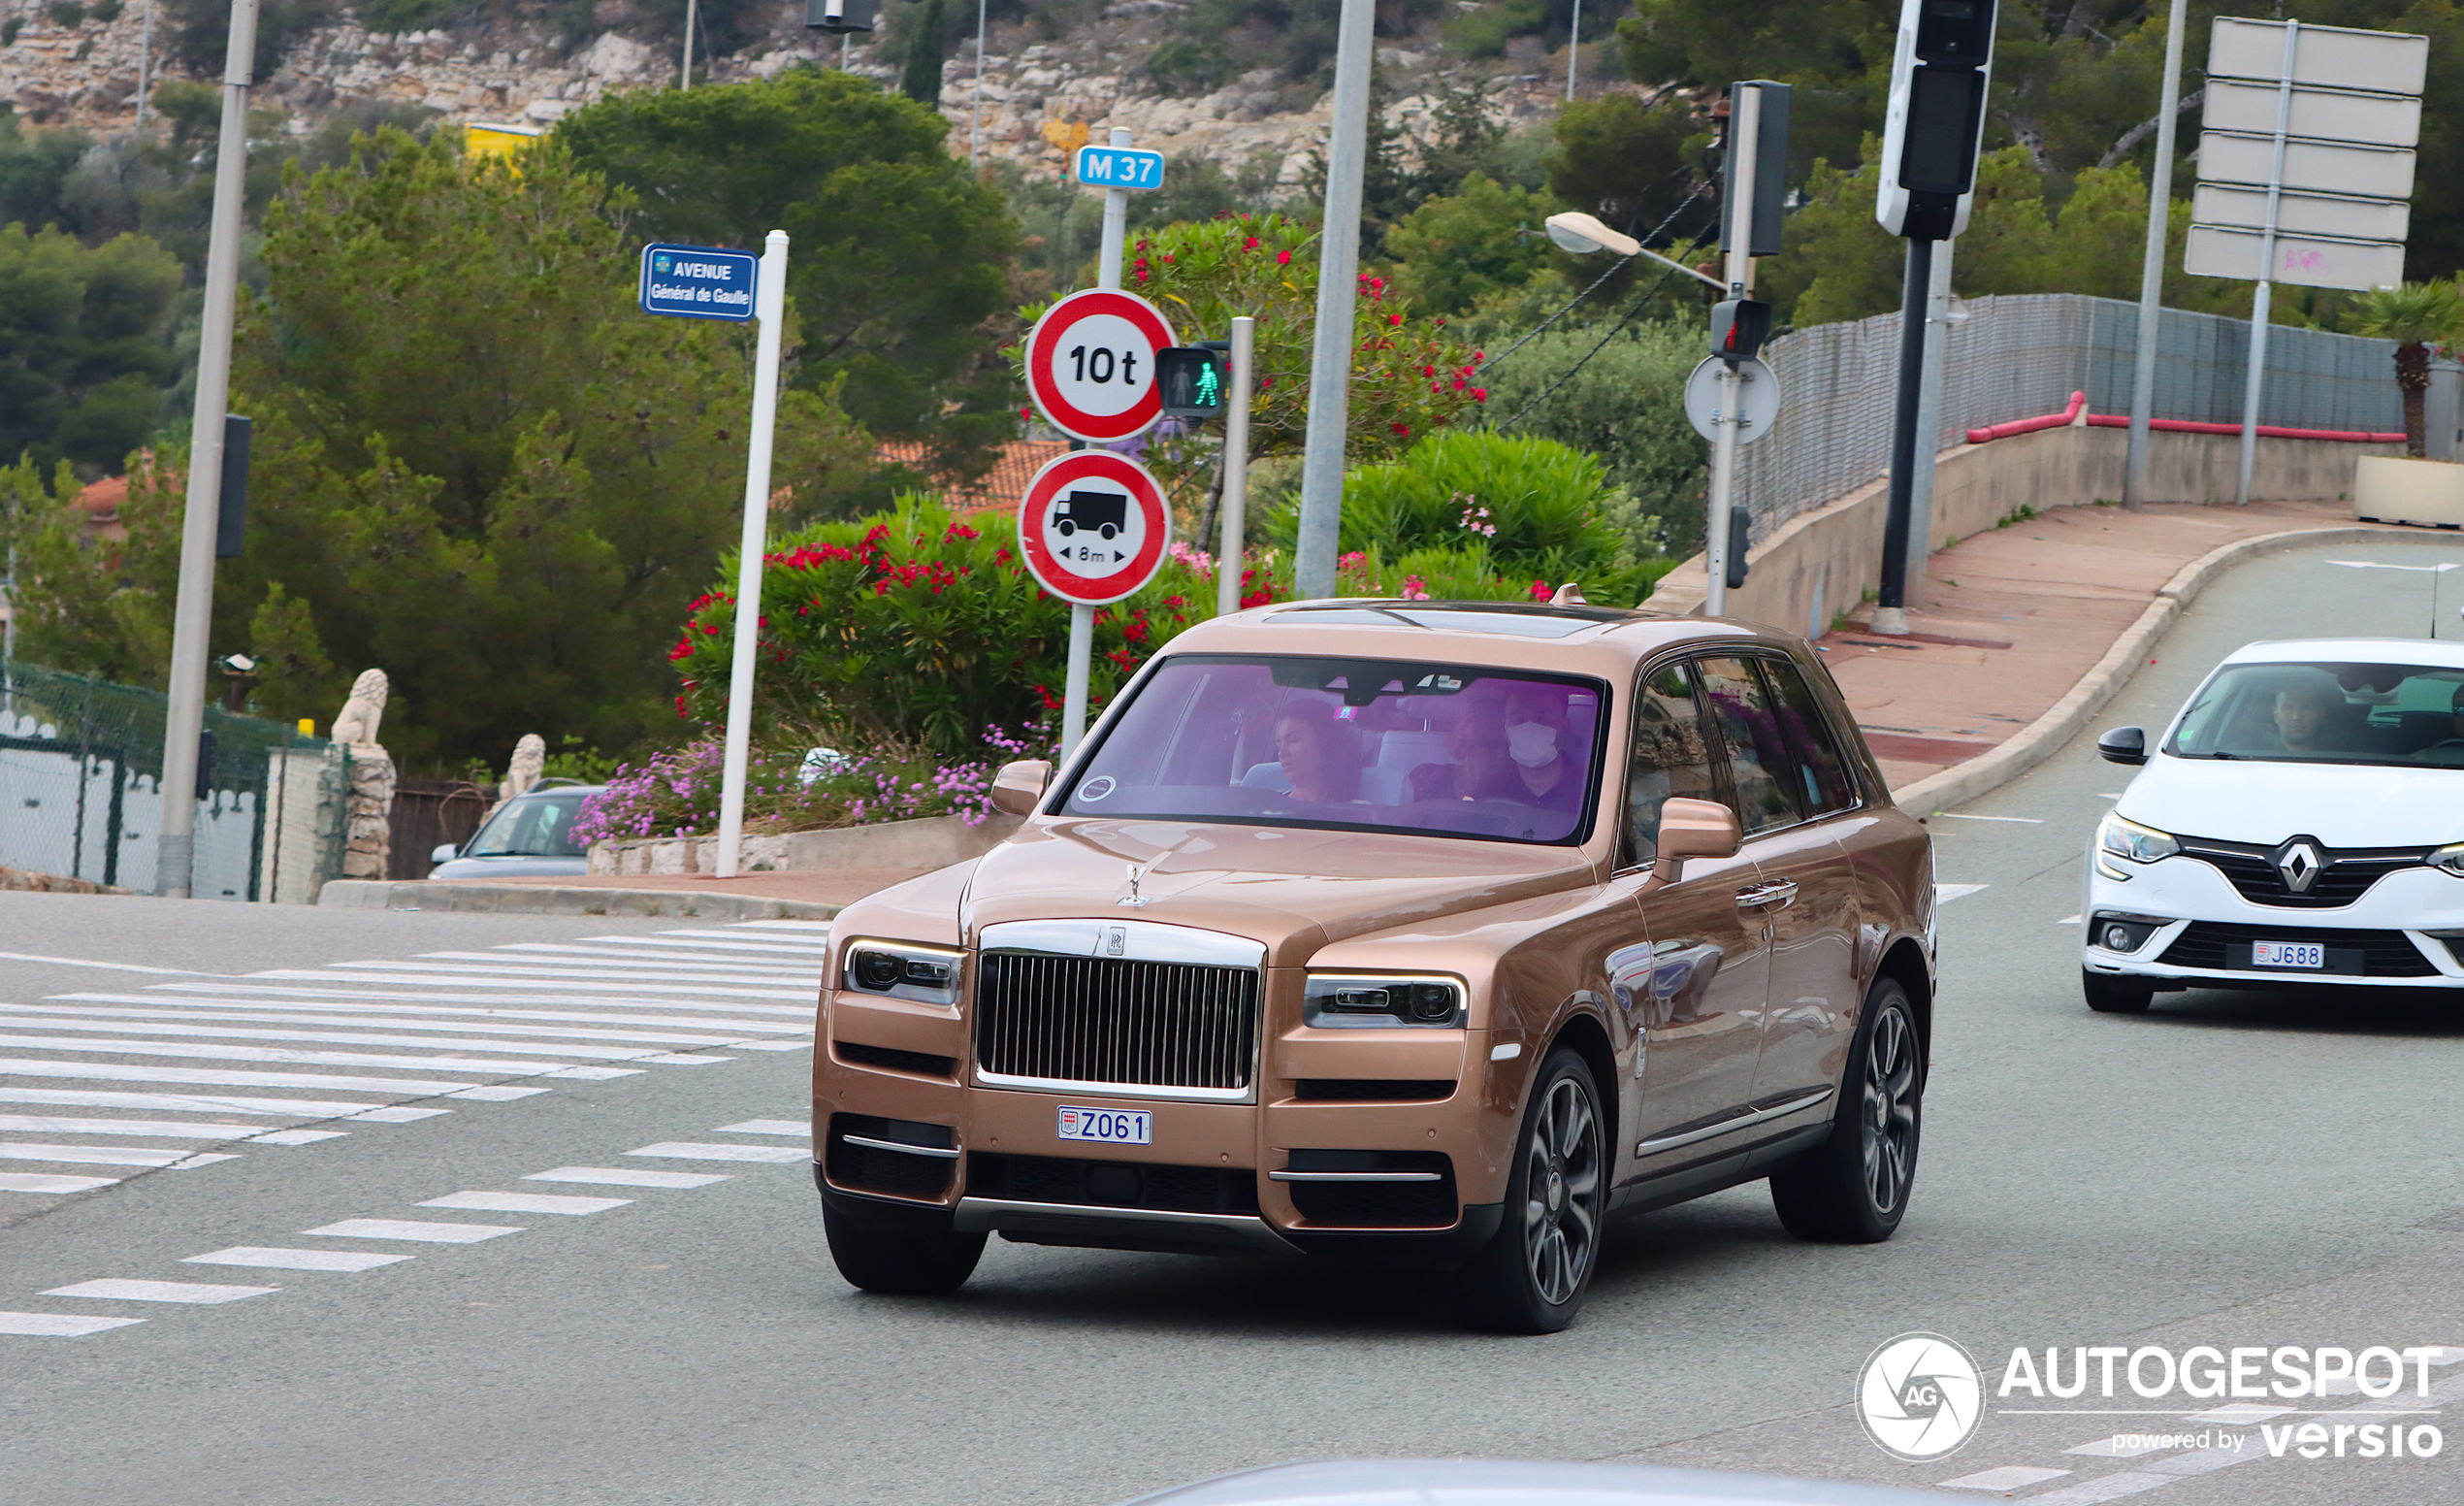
(2301, 822)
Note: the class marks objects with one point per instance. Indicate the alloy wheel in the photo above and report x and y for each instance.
(1562, 1184)
(1890, 1118)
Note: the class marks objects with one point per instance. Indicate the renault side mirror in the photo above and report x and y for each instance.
(1020, 786)
(2124, 745)
(1692, 829)
(445, 852)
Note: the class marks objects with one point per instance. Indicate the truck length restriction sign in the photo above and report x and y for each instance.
(1091, 364)
(1093, 527)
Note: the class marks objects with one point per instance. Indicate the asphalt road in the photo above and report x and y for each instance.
(2229, 1169)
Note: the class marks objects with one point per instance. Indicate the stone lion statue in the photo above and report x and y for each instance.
(356, 724)
(530, 760)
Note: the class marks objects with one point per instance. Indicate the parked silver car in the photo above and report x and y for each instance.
(528, 836)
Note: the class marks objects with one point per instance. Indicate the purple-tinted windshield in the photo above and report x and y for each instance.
(1374, 745)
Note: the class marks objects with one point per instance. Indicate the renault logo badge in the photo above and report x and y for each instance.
(2298, 864)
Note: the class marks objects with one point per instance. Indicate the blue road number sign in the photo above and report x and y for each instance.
(697, 282)
(1119, 167)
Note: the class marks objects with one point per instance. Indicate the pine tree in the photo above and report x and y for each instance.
(922, 80)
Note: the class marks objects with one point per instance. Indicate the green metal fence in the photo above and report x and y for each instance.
(81, 774)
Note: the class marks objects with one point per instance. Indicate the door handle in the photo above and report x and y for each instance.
(1778, 893)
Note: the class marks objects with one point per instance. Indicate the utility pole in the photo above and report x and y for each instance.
(1574, 49)
(2134, 479)
(192, 614)
(1236, 467)
(1331, 351)
(1744, 150)
(975, 133)
(1937, 332)
(684, 76)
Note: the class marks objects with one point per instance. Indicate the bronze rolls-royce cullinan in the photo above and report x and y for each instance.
(1399, 929)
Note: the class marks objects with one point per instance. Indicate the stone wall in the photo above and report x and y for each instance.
(368, 846)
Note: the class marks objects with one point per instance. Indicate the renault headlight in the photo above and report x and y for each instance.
(2451, 858)
(2131, 842)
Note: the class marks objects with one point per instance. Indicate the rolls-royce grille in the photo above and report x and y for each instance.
(1109, 1019)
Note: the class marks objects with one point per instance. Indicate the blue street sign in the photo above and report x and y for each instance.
(1119, 167)
(697, 282)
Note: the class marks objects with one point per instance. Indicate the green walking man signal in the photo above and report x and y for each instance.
(1191, 379)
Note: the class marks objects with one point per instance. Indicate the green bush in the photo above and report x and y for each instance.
(1626, 407)
(1525, 508)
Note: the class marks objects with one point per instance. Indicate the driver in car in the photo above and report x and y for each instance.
(2305, 717)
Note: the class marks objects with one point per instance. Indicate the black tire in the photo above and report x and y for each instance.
(900, 1263)
(2110, 995)
(1530, 1278)
(1853, 1188)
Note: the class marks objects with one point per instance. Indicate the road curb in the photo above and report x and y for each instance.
(2046, 736)
(365, 893)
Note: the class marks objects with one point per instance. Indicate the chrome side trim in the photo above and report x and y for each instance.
(934, 1151)
(1130, 941)
(986, 1215)
(1354, 1176)
(1744, 1118)
(1105, 1090)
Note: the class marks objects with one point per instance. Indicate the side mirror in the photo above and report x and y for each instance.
(1020, 786)
(445, 853)
(2124, 745)
(1692, 829)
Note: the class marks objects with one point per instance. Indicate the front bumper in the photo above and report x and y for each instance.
(2409, 927)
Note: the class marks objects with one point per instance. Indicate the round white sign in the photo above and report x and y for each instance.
(1090, 364)
(1093, 527)
(1758, 398)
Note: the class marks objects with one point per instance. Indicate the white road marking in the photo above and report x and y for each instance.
(509, 977)
(2009, 1477)
(287, 1108)
(668, 942)
(2431, 570)
(301, 1136)
(525, 1202)
(802, 1128)
(626, 1176)
(80, 962)
(496, 1094)
(805, 1044)
(2103, 1487)
(677, 1150)
(816, 926)
(1943, 894)
(167, 1128)
(552, 957)
(2068, 920)
(200, 1052)
(160, 1291)
(409, 1228)
(352, 1001)
(36, 1182)
(1960, 815)
(89, 1154)
(2115, 1445)
(402, 1115)
(11, 1019)
(276, 1258)
(464, 980)
(60, 1325)
(114, 1071)
(203, 1158)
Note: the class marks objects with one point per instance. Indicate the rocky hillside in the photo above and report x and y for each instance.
(1040, 96)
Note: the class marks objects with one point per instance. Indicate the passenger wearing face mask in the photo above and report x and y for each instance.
(1508, 747)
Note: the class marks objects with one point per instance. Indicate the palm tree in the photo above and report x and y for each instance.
(2416, 316)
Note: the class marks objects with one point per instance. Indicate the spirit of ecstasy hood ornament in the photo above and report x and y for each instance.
(1138, 873)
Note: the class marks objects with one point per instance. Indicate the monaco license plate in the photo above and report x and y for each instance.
(2310, 955)
(1107, 1125)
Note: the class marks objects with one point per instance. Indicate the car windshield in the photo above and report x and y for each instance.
(2406, 714)
(1353, 743)
(535, 826)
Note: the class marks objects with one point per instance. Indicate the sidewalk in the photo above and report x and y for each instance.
(2018, 634)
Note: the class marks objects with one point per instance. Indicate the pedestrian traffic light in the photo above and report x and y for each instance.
(839, 16)
(1738, 328)
(1938, 78)
(1192, 379)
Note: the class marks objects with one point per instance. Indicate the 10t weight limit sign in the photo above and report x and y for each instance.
(1090, 364)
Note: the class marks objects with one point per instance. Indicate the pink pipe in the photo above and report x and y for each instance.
(2079, 403)
(2003, 431)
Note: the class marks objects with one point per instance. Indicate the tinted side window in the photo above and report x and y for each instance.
(1759, 765)
(1671, 758)
(1822, 776)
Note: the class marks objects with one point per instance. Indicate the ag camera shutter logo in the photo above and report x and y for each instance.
(1920, 1396)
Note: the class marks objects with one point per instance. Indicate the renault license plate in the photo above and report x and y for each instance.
(1107, 1125)
(2310, 955)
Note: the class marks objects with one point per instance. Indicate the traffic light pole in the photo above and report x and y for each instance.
(1891, 610)
(193, 613)
(1236, 469)
(1738, 235)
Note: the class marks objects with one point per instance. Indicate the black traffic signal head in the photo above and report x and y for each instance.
(1738, 328)
(839, 16)
(1955, 31)
(1192, 380)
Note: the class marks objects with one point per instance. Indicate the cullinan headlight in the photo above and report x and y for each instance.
(1339, 1001)
(926, 974)
(2451, 858)
(2131, 842)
